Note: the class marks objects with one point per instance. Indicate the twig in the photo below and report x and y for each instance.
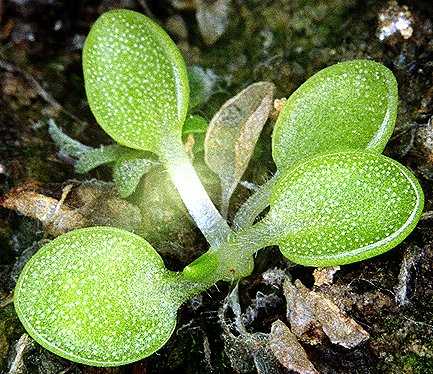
(6, 301)
(410, 127)
(427, 215)
(417, 322)
(39, 89)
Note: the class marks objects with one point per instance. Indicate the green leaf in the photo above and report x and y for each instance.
(99, 296)
(127, 173)
(98, 156)
(194, 124)
(350, 105)
(66, 144)
(233, 133)
(343, 207)
(136, 80)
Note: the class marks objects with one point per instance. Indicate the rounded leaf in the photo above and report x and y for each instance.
(350, 105)
(99, 296)
(344, 207)
(136, 80)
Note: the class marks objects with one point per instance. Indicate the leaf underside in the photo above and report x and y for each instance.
(344, 207)
(97, 296)
(350, 105)
(233, 132)
(136, 80)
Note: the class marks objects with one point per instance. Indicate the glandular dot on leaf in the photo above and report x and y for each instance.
(343, 207)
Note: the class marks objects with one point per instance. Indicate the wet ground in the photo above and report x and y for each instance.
(284, 41)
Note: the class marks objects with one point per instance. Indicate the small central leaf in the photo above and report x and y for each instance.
(344, 207)
(127, 172)
(233, 133)
(99, 296)
(136, 80)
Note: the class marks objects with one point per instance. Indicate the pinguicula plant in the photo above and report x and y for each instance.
(102, 296)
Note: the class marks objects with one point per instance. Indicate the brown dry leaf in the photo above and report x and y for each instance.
(86, 204)
(311, 314)
(301, 314)
(232, 135)
(288, 351)
(324, 275)
(57, 218)
(277, 107)
(184, 4)
(23, 345)
(212, 18)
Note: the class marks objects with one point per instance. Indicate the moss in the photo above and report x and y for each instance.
(10, 330)
(416, 364)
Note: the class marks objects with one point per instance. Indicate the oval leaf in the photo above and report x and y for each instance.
(350, 105)
(136, 80)
(98, 296)
(344, 207)
(233, 133)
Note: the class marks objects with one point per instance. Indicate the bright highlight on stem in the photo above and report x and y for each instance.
(197, 201)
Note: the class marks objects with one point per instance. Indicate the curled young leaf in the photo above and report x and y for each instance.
(233, 133)
(194, 124)
(136, 80)
(88, 158)
(350, 105)
(202, 84)
(66, 144)
(343, 207)
(127, 173)
(100, 296)
(98, 156)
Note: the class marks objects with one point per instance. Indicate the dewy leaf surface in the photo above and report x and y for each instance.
(344, 207)
(350, 105)
(66, 144)
(136, 80)
(127, 173)
(98, 156)
(233, 133)
(98, 296)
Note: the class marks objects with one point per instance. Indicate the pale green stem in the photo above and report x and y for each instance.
(233, 259)
(254, 205)
(194, 196)
(226, 194)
